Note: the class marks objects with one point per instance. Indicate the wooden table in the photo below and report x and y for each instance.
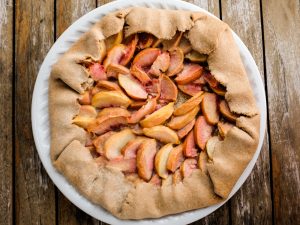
(270, 29)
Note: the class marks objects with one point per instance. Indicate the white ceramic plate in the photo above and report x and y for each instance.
(40, 117)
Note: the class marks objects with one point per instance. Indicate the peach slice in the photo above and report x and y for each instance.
(106, 123)
(202, 132)
(136, 129)
(86, 116)
(129, 50)
(210, 146)
(175, 158)
(161, 160)
(124, 165)
(155, 180)
(83, 122)
(118, 38)
(145, 40)
(114, 69)
(116, 142)
(190, 89)
(153, 88)
(109, 85)
(162, 133)
(189, 146)
(145, 159)
(114, 55)
(209, 107)
(190, 72)
(168, 90)
(187, 167)
(176, 177)
(200, 80)
(97, 72)
(143, 111)
(140, 74)
(196, 57)
(210, 79)
(203, 158)
(114, 112)
(186, 129)
(185, 45)
(219, 90)
(110, 98)
(146, 57)
(224, 128)
(172, 43)
(161, 64)
(189, 104)
(100, 140)
(85, 98)
(137, 105)
(159, 116)
(95, 90)
(179, 122)
(176, 61)
(224, 109)
(114, 40)
(132, 87)
(130, 149)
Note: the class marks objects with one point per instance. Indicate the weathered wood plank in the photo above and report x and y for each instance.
(34, 192)
(244, 18)
(6, 81)
(221, 215)
(66, 13)
(281, 21)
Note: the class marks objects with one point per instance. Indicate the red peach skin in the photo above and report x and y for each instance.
(124, 165)
(100, 140)
(130, 149)
(129, 50)
(176, 61)
(161, 64)
(168, 90)
(189, 146)
(188, 166)
(190, 72)
(143, 111)
(132, 87)
(186, 129)
(190, 89)
(97, 72)
(202, 132)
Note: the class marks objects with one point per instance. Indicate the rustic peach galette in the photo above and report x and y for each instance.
(152, 114)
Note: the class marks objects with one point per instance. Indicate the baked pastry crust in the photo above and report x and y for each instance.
(108, 187)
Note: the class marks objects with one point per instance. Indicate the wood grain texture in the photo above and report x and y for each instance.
(281, 21)
(246, 207)
(66, 13)
(6, 81)
(34, 192)
(222, 215)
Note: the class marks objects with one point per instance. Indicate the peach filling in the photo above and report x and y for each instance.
(154, 109)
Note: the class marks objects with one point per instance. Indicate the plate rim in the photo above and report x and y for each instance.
(90, 17)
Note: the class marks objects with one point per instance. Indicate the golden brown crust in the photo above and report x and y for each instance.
(108, 187)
